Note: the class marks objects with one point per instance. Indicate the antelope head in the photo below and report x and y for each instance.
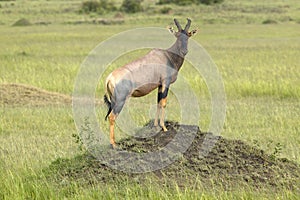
(182, 36)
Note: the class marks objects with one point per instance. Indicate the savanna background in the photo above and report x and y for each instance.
(255, 45)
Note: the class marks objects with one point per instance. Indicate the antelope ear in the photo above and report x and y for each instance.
(193, 32)
(171, 29)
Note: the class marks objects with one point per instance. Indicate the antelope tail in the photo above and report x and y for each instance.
(108, 104)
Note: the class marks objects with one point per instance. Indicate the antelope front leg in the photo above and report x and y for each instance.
(157, 115)
(163, 103)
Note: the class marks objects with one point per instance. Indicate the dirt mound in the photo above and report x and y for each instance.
(22, 22)
(24, 95)
(229, 164)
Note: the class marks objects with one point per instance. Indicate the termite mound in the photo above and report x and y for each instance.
(229, 164)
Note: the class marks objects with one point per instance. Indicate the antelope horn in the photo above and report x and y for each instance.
(186, 29)
(178, 25)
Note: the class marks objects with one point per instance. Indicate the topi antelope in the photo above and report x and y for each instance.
(157, 69)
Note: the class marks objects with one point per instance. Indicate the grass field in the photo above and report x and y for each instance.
(259, 64)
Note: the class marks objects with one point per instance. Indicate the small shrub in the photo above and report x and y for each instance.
(188, 2)
(131, 6)
(106, 6)
(177, 2)
(160, 2)
(90, 6)
(22, 22)
(100, 7)
(165, 10)
(119, 15)
(269, 21)
(209, 2)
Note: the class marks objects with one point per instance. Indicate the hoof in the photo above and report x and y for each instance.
(113, 146)
(157, 128)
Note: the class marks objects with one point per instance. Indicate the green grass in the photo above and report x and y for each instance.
(259, 64)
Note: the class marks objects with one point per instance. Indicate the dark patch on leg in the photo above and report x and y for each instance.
(162, 94)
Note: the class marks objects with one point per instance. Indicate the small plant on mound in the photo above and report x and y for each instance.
(22, 22)
(277, 151)
(85, 128)
(131, 6)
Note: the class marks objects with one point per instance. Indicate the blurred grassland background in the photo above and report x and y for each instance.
(255, 45)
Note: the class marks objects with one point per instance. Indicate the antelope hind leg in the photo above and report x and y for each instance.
(158, 106)
(112, 119)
